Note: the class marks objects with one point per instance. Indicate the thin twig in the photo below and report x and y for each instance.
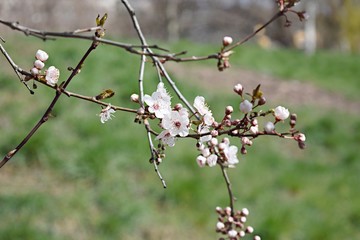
(17, 70)
(248, 37)
(228, 186)
(155, 58)
(48, 111)
(141, 87)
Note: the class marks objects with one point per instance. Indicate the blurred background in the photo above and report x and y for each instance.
(80, 179)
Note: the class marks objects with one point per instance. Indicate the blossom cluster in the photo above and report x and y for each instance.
(233, 224)
(52, 74)
(176, 122)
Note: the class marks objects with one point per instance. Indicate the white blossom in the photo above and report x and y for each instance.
(106, 113)
(41, 55)
(205, 152)
(212, 160)
(208, 119)
(231, 154)
(159, 102)
(166, 138)
(203, 110)
(199, 104)
(281, 113)
(254, 129)
(177, 122)
(52, 75)
(204, 130)
(201, 161)
(246, 106)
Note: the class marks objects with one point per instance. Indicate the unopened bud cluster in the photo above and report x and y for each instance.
(51, 74)
(232, 224)
(224, 56)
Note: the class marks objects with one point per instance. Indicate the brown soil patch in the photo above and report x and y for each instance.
(289, 92)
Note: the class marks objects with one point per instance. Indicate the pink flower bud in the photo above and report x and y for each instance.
(229, 110)
(214, 133)
(238, 88)
(41, 55)
(301, 137)
(227, 41)
(249, 229)
(245, 212)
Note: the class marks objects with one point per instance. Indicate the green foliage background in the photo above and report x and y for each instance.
(80, 179)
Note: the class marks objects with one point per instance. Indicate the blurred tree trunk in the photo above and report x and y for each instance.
(310, 27)
(172, 19)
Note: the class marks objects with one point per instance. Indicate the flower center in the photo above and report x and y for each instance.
(177, 124)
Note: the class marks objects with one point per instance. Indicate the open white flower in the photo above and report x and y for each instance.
(203, 130)
(212, 160)
(231, 154)
(199, 104)
(177, 122)
(281, 113)
(203, 110)
(52, 75)
(166, 138)
(106, 113)
(159, 102)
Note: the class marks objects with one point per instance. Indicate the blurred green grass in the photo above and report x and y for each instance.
(80, 179)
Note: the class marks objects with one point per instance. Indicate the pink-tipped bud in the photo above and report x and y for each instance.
(134, 98)
(227, 41)
(262, 101)
(249, 229)
(178, 107)
(229, 110)
(238, 88)
(257, 237)
(245, 212)
(39, 64)
(214, 133)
